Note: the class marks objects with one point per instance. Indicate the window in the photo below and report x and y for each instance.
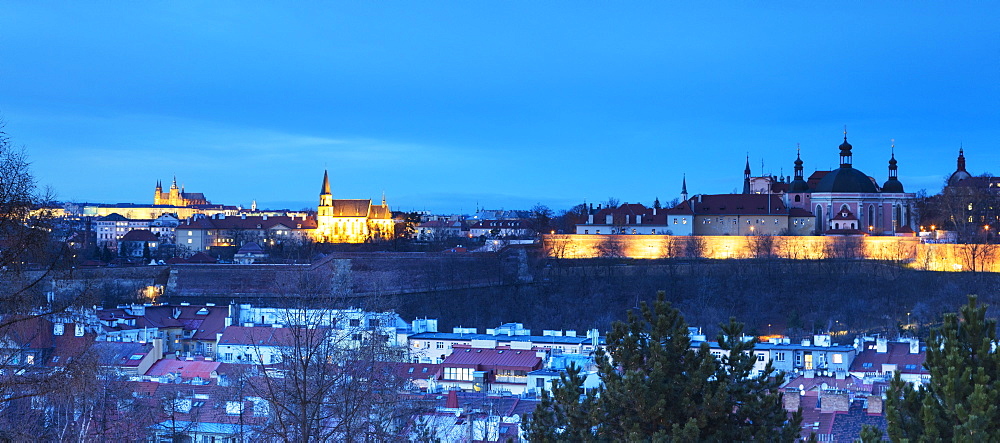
(779, 356)
(355, 322)
(440, 345)
(464, 374)
(866, 365)
(189, 241)
(760, 357)
(373, 322)
(838, 359)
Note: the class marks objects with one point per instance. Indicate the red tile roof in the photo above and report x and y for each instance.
(484, 359)
(739, 204)
(897, 353)
(142, 235)
(186, 368)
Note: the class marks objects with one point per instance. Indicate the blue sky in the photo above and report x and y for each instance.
(447, 106)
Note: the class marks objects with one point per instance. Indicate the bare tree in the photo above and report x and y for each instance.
(335, 378)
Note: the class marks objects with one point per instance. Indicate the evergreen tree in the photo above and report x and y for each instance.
(145, 252)
(960, 403)
(656, 387)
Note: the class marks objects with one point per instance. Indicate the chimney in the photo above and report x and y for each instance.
(881, 345)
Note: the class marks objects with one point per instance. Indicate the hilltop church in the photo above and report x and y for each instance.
(350, 220)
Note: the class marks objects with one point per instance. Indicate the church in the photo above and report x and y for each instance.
(350, 220)
(176, 196)
(847, 201)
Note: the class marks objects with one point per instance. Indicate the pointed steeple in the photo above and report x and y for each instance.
(684, 188)
(383, 198)
(746, 177)
(174, 184)
(961, 158)
(325, 187)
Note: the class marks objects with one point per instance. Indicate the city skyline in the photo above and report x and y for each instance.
(449, 107)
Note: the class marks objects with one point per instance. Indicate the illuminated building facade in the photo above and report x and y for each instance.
(847, 199)
(176, 196)
(350, 220)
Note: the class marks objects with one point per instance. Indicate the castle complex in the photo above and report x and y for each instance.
(176, 196)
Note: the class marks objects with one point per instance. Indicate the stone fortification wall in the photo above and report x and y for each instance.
(909, 250)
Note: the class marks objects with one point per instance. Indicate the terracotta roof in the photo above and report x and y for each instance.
(483, 359)
(204, 321)
(248, 222)
(201, 257)
(264, 336)
(142, 235)
(897, 353)
(186, 368)
(500, 224)
(845, 214)
(739, 204)
(815, 178)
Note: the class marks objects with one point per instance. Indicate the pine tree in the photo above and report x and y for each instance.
(657, 388)
(960, 402)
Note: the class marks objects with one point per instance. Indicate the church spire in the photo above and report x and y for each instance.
(684, 188)
(746, 177)
(961, 158)
(325, 187)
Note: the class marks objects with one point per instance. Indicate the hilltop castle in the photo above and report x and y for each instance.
(350, 220)
(176, 196)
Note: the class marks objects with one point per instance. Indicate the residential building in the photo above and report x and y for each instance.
(200, 233)
(879, 358)
(498, 369)
(434, 347)
(501, 229)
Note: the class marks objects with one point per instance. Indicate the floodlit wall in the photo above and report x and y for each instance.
(931, 257)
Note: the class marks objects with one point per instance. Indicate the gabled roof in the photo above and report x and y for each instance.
(897, 353)
(142, 235)
(114, 217)
(351, 208)
(739, 204)
(515, 359)
(248, 222)
(266, 336)
(187, 369)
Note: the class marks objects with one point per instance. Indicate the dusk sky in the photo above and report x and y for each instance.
(448, 105)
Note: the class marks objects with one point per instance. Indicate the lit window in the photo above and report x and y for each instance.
(190, 241)
(838, 359)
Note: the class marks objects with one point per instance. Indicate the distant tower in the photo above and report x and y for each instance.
(799, 183)
(845, 152)
(684, 188)
(746, 177)
(960, 172)
(157, 194)
(893, 184)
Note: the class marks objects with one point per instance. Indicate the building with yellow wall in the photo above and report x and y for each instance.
(350, 220)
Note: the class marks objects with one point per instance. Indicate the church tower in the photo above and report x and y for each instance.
(746, 177)
(158, 194)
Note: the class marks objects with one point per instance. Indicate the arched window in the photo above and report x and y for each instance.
(798, 198)
(836, 226)
(819, 218)
(871, 215)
